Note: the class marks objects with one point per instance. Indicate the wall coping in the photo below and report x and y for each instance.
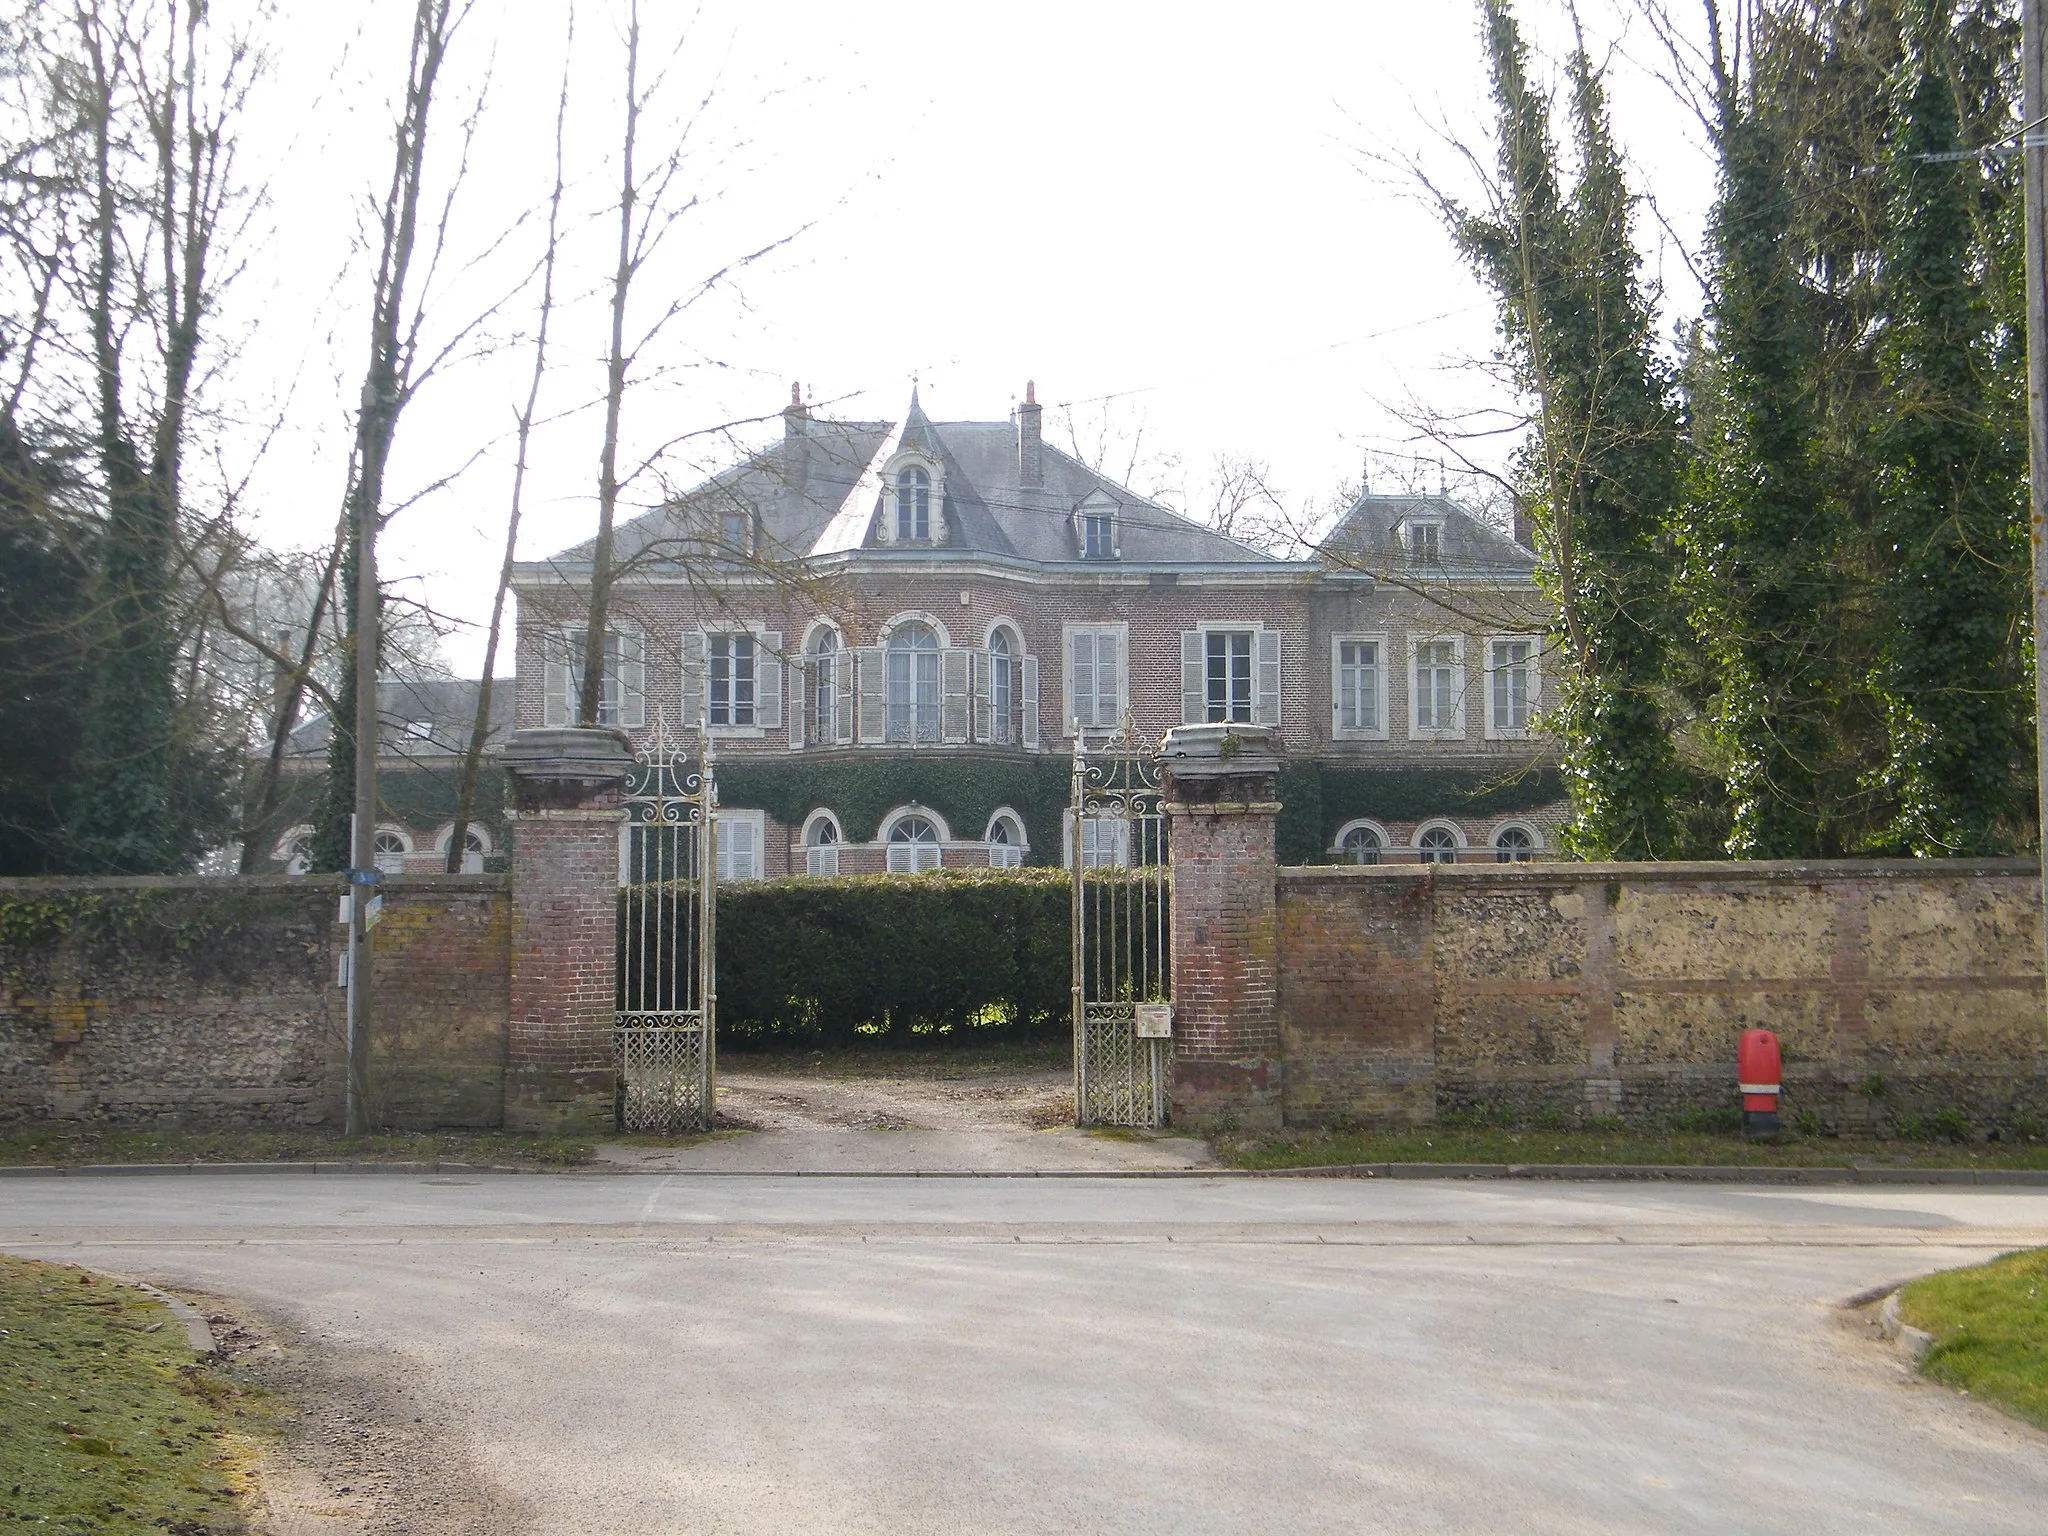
(329, 884)
(1741, 871)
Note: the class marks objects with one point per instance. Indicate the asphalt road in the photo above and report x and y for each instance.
(659, 1354)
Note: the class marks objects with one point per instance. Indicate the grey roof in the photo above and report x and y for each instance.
(801, 495)
(422, 719)
(1370, 536)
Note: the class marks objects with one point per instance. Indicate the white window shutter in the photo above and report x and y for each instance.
(954, 683)
(557, 707)
(1266, 700)
(1080, 679)
(768, 681)
(1194, 705)
(1110, 700)
(632, 654)
(801, 671)
(842, 698)
(982, 669)
(693, 680)
(1031, 702)
(874, 693)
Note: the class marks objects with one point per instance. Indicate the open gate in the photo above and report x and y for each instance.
(1122, 942)
(668, 906)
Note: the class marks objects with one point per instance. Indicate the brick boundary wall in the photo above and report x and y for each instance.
(1585, 990)
(214, 1004)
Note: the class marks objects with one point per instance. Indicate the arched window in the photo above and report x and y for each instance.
(913, 845)
(1005, 843)
(1437, 845)
(1361, 845)
(913, 504)
(823, 695)
(474, 846)
(392, 847)
(1514, 845)
(295, 850)
(821, 845)
(1002, 686)
(913, 684)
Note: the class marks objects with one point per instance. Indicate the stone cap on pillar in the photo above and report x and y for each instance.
(1215, 767)
(559, 766)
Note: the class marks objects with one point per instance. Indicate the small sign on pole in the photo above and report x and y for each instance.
(373, 911)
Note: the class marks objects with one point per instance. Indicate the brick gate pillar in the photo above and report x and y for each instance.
(566, 815)
(1221, 810)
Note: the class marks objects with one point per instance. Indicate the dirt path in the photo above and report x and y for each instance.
(796, 1116)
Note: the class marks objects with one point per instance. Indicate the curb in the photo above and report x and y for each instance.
(1677, 1173)
(137, 1170)
(1909, 1341)
(198, 1335)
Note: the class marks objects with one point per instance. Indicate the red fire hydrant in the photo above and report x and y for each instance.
(1757, 1071)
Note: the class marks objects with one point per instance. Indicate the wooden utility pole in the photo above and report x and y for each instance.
(2034, 159)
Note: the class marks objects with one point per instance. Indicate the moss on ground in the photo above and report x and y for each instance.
(67, 1143)
(1483, 1144)
(1990, 1327)
(110, 1424)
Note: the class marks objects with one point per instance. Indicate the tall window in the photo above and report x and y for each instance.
(622, 699)
(913, 504)
(732, 680)
(1425, 542)
(913, 683)
(821, 847)
(1105, 842)
(1005, 844)
(913, 845)
(1002, 686)
(1436, 685)
(1511, 666)
(823, 687)
(1095, 676)
(733, 528)
(1229, 675)
(1361, 845)
(1438, 845)
(1098, 540)
(1358, 686)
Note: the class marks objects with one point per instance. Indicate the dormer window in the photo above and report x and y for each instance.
(1425, 543)
(1095, 527)
(733, 530)
(913, 504)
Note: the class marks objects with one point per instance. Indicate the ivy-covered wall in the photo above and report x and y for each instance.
(417, 797)
(862, 790)
(1315, 799)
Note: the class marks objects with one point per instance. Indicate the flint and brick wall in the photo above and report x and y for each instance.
(209, 1003)
(1895, 988)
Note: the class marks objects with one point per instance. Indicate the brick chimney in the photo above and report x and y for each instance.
(795, 414)
(1030, 448)
(1524, 529)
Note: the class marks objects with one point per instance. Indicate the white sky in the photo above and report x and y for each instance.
(1162, 212)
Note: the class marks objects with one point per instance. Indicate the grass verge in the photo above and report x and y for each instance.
(111, 1425)
(1990, 1327)
(1486, 1144)
(69, 1144)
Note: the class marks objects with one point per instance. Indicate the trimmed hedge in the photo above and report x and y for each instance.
(949, 955)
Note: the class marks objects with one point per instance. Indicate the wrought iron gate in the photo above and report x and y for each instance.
(668, 908)
(1122, 964)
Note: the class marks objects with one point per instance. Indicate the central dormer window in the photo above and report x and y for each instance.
(1096, 540)
(913, 504)
(1425, 542)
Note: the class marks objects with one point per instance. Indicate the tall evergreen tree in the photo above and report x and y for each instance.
(1601, 466)
(1950, 674)
(1762, 535)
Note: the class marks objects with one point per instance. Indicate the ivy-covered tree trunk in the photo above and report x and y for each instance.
(330, 851)
(1601, 464)
(1763, 537)
(1956, 696)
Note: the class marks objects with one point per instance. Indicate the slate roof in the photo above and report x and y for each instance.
(817, 492)
(445, 706)
(1370, 537)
